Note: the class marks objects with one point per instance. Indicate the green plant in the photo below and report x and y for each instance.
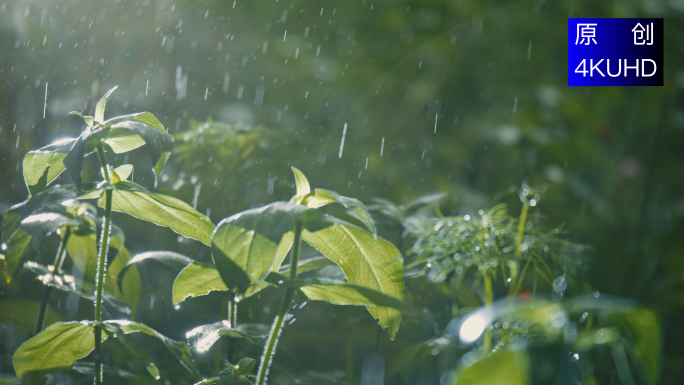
(587, 339)
(249, 249)
(518, 332)
(60, 209)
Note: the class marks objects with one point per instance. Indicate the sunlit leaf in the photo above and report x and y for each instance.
(43, 166)
(121, 140)
(366, 261)
(100, 106)
(178, 349)
(302, 184)
(124, 171)
(145, 126)
(321, 197)
(195, 280)
(500, 368)
(344, 293)
(56, 348)
(202, 338)
(246, 243)
(161, 210)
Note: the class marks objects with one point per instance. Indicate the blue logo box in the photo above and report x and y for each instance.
(615, 52)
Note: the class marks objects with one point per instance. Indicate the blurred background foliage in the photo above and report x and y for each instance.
(463, 98)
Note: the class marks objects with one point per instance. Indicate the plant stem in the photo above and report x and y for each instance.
(61, 252)
(269, 349)
(518, 247)
(232, 319)
(101, 267)
(488, 302)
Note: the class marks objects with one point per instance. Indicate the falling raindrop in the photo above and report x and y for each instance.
(271, 183)
(226, 82)
(515, 105)
(344, 133)
(44, 105)
(198, 187)
(529, 50)
(382, 146)
(259, 95)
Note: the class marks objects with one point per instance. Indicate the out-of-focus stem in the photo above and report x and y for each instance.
(488, 302)
(518, 248)
(61, 253)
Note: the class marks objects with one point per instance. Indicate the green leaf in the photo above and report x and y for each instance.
(24, 226)
(124, 171)
(645, 328)
(40, 201)
(100, 107)
(302, 184)
(309, 265)
(22, 314)
(121, 140)
(178, 349)
(344, 293)
(43, 166)
(238, 374)
(83, 247)
(69, 283)
(202, 338)
(245, 244)
(499, 368)
(321, 197)
(153, 370)
(89, 120)
(302, 267)
(146, 126)
(15, 251)
(128, 289)
(74, 159)
(169, 258)
(161, 210)
(366, 261)
(245, 366)
(56, 348)
(195, 280)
